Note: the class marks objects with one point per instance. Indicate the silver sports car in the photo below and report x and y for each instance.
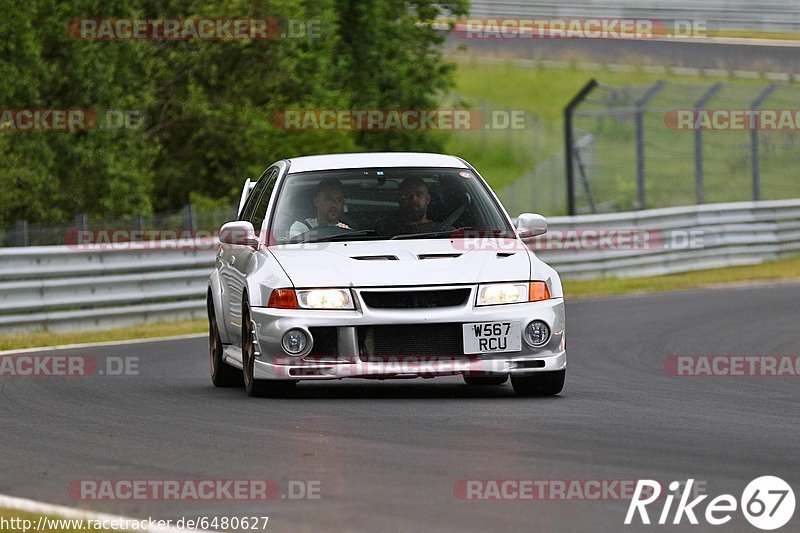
(382, 265)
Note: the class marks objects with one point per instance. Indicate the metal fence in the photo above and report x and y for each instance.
(82, 287)
(79, 287)
(158, 226)
(775, 15)
(673, 240)
(670, 144)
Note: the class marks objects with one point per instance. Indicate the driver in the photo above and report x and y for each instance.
(414, 199)
(329, 201)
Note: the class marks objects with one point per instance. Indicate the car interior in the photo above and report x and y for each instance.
(373, 203)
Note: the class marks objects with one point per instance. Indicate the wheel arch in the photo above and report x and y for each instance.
(214, 297)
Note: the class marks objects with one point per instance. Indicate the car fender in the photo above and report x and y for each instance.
(265, 274)
(215, 289)
(544, 272)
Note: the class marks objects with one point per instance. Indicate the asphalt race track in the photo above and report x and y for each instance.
(387, 454)
(680, 53)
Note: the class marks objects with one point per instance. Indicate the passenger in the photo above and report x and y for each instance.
(414, 199)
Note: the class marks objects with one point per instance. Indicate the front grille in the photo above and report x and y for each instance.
(415, 299)
(404, 340)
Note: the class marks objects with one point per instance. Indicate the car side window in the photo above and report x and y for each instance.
(255, 194)
(257, 217)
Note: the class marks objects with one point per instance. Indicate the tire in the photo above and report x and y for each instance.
(485, 381)
(540, 384)
(222, 374)
(258, 388)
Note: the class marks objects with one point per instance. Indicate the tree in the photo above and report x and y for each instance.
(390, 57)
(207, 105)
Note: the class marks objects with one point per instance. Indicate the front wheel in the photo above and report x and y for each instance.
(539, 384)
(222, 374)
(257, 387)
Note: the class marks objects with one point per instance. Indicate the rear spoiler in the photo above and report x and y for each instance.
(248, 186)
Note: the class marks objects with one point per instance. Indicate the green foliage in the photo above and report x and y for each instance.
(390, 59)
(207, 106)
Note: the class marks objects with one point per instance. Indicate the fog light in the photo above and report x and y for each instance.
(294, 341)
(537, 334)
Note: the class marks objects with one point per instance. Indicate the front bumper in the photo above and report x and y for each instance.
(350, 361)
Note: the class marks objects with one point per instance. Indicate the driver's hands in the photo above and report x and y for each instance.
(342, 225)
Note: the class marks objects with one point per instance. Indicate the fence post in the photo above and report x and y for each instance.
(82, 225)
(640, 162)
(188, 218)
(584, 178)
(569, 144)
(698, 142)
(754, 141)
(21, 233)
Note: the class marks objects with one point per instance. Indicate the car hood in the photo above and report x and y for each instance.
(399, 263)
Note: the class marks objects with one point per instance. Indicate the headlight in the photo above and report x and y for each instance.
(325, 299)
(502, 293)
(512, 293)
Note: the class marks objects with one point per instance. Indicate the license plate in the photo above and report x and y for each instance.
(492, 337)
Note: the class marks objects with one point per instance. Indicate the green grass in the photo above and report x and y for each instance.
(535, 154)
(16, 341)
(783, 269)
(753, 34)
(9, 514)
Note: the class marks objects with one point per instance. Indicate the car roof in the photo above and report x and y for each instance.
(373, 160)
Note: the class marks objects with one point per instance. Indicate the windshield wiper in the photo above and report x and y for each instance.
(445, 233)
(343, 236)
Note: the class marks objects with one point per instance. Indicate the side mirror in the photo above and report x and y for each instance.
(238, 233)
(531, 225)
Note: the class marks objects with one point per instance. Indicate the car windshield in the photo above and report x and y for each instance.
(392, 203)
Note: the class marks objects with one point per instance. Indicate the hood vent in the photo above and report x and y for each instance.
(375, 258)
(503, 255)
(438, 256)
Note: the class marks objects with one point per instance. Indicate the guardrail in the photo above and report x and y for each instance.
(76, 287)
(776, 15)
(72, 287)
(674, 239)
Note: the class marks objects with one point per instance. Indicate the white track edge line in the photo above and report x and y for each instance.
(32, 506)
(104, 343)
